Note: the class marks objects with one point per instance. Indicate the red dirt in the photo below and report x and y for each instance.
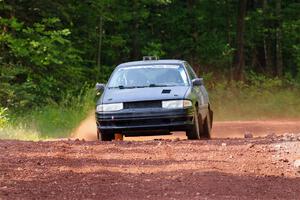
(160, 167)
(257, 168)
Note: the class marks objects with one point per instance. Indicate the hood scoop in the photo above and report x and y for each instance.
(165, 91)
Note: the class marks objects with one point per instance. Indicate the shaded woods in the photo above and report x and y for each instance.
(49, 49)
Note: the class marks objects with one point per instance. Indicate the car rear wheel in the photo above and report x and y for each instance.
(104, 137)
(195, 132)
(207, 125)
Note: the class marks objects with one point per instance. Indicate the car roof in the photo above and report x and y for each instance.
(151, 62)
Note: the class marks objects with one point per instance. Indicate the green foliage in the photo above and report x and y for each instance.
(259, 81)
(153, 49)
(3, 118)
(48, 47)
(40, 64)
(291, 38)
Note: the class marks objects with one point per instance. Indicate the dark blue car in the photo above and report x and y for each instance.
(153, 97)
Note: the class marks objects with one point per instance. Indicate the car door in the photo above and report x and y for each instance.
(199, 91)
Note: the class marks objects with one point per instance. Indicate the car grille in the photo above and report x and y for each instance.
(142, 104)
(144, 122)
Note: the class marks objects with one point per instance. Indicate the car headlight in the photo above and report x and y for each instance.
(177, 104)
(109, 107)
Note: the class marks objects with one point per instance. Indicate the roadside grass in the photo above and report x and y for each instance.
(51, 121)
(255, 103)
(19, 133)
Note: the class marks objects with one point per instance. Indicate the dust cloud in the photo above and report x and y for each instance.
(87, 129)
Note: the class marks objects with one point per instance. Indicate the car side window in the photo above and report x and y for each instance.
(190, 71)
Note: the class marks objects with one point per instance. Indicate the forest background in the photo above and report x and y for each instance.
(52, 52)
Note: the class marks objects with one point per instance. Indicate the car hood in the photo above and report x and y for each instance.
(143, 94)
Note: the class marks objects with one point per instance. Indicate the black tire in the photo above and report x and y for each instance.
(207, 125)
(104, 137)
(196, 131)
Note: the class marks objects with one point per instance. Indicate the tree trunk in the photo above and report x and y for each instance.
(135, 43)
(279, 65)
(268, 59)
(239, 60)
(193, 58)
(135, 55)
(229, 39)
(100, 43)
(267, 49)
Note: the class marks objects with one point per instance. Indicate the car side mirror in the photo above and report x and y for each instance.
(100, 86)
(197, 82)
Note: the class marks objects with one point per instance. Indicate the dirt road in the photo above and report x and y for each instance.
(225, 129)
(256, 168)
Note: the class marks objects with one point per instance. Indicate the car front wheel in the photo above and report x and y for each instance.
(196, 131)
(104, 137)
(207, 125)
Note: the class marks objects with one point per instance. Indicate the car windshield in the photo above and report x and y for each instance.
(149, 76)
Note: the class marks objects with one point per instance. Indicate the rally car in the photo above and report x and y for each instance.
(153, 97)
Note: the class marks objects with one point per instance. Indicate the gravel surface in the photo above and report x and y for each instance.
(244, 168)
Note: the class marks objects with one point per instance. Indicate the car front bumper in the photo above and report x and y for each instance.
(145, 121)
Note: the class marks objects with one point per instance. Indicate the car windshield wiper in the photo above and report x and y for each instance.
(127, 87)
(160, 85)
(141, 86)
